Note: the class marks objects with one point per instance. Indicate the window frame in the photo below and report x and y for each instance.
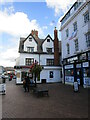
(76, 45)
(49, 50)
(50, 62)
(67, 33)
(68, 48)
(29, 61)
(29, 49)
(86, 17)
(30, 39)
(48, 39)
(87, 36)
(75, 26)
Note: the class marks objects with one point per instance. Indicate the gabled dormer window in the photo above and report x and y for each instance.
(49, 50)
(48, 40)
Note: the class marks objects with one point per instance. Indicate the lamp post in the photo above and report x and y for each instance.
(35, 73)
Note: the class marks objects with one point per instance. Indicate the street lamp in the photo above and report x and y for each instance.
(35, 73)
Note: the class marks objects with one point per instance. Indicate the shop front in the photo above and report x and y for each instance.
(79, 78)
(21, 72)
(69, 74)
(86, 74)
(77, 69)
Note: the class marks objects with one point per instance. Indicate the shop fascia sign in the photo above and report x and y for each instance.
(68, 66)
(72, 59)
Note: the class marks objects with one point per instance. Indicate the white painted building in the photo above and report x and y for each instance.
(42, 50)
(75, 36)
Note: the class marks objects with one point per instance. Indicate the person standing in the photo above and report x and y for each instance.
(27, 83)
(11, 76)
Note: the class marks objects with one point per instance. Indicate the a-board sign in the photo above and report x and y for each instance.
(75, 85)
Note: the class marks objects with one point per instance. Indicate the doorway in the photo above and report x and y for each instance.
(43, 80)
(79, 76)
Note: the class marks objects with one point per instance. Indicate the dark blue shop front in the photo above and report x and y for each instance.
(77, 69)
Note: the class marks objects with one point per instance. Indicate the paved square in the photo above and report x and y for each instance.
(61, 103)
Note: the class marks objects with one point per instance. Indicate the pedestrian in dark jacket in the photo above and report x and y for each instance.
(27, 83)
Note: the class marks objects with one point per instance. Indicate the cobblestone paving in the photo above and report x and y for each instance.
(62, 102)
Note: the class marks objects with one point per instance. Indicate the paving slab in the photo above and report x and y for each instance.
(62, 102)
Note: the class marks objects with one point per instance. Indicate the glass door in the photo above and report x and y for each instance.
(79, 76)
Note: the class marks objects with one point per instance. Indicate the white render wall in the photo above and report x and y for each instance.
(18, 61)
(23, 56)
(82, 28)
(28, 43)
(43, 58)
(37, 57)
(48, 45)
(56, 74)
(43, 75)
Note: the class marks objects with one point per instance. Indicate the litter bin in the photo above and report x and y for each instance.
(75, 87)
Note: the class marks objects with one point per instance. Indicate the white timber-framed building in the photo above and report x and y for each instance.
(47, 52)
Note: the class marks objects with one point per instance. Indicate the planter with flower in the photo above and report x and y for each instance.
(35, 69)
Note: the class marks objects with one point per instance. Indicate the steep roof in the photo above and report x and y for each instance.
(46, 38)
(38, 41)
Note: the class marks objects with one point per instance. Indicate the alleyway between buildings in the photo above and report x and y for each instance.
(61, 103)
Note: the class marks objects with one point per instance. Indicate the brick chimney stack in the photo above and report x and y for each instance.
(34, 33)
(56, 48)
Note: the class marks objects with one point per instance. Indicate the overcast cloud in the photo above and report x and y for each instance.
(17, 25)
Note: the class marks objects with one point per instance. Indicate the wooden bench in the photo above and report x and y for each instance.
(41, 92)
(32, 86)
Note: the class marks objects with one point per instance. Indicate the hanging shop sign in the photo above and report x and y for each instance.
(75, 85)
(83, 56)
(86, 64)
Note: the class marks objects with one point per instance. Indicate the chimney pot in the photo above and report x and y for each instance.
(34, 33)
